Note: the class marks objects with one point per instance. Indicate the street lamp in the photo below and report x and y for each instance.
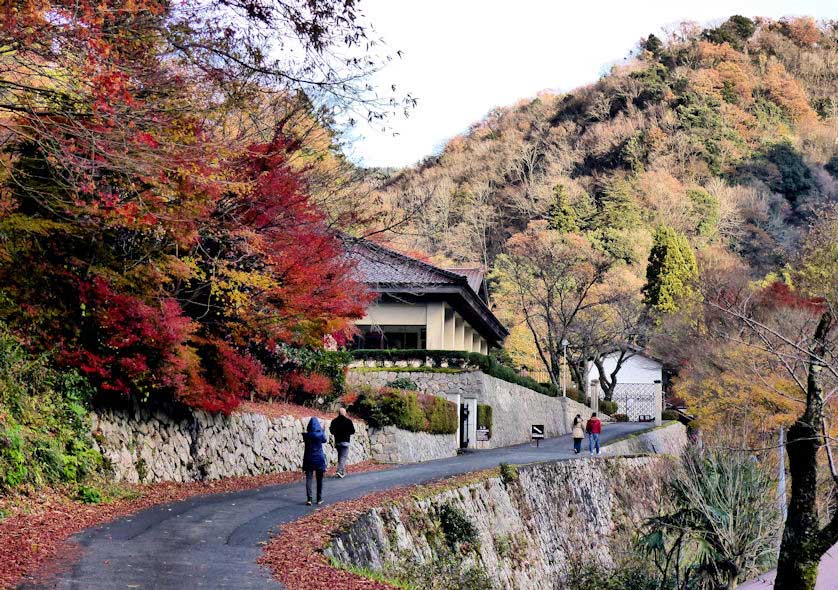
(563, 368)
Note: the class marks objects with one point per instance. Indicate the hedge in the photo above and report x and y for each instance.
(485, 363)
(407, 410)
(484, 416)
(608, 407)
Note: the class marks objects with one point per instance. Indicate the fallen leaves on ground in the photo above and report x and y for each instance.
(295, 556)
(36, 526)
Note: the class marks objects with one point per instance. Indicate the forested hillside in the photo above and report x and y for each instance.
(724, 136)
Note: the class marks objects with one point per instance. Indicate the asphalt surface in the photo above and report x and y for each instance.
(827, 575)
(213, 541)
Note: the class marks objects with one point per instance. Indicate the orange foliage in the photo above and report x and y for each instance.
(786, 91)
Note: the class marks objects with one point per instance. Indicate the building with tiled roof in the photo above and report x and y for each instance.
(422, 306)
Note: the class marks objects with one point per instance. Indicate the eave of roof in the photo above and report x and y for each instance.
(449, 282)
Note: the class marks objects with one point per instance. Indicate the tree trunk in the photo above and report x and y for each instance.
(803, 542)
(797, 568)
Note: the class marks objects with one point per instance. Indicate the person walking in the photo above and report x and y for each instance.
(314, 459)
(342, 429)
(594, 428)
(578, 433)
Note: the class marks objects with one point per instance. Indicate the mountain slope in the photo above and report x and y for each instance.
(726, 134)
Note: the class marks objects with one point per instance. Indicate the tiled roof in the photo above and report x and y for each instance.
(378, 265)
(474, 276)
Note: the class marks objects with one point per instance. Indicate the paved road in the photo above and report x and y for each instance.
(827, 575)
(213, 541)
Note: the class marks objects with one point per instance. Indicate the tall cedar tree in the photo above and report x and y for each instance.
(671, 270)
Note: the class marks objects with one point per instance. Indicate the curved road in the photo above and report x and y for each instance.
(213, 541)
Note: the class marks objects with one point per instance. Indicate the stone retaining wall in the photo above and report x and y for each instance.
(529, 529)
(393, 445)
(146, 447)
(669, 439)
(515, 408)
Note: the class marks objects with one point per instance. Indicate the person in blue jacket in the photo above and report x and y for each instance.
(314, 459)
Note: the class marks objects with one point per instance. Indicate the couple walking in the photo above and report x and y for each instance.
(593, 427)
(314, 459)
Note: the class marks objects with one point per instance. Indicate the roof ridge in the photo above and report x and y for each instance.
(427, 265)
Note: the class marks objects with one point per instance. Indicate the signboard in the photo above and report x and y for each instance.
(538, 430)
(483, 434)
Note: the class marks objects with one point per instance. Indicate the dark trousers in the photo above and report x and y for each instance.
(310, 483)
(577, 444)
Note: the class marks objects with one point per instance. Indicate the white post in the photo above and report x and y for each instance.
(658, 402)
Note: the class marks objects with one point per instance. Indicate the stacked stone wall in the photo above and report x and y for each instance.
(515, 408)
(529, 530)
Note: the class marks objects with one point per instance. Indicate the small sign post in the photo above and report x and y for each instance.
(537, 432)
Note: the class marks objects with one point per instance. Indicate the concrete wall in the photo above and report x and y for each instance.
(529, 530)
(515, 408)
(671, 438)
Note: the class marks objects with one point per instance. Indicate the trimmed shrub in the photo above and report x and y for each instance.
(484, 416)
(442, 415)
(620, 417)
(608, 407)
(407, 410)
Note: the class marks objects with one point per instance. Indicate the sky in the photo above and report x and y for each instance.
(461, 58)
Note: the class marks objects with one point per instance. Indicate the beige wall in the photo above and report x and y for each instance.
(445, 329)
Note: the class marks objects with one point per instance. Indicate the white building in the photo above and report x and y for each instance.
(638, 392)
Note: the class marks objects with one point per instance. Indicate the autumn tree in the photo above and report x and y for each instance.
(157, 230)
(670, 272)
(791, 323)
(548, 279)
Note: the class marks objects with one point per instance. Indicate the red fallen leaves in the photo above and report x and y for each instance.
(34, 537)
(295, 556)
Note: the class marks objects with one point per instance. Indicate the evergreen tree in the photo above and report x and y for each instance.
(670, 271)
(562, 216)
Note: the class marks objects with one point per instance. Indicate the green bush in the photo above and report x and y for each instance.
(620, 417)
(89, 495)
(461, 359)
(44, 430)
(484, 416)
(508, 473)
(403, 383)
(670, 415)
(456, 526)
(608, 407)
(407, 410)
(442, 416)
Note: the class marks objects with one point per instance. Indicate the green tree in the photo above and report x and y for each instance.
(563, 218)
(670, 272)
(722, 527)
(705, 211)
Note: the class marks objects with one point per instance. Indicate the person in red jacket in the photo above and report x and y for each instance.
(594, 428)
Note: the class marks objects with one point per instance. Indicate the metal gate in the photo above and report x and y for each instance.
(637, 400)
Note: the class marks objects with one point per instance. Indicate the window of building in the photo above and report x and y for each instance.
(391, 337)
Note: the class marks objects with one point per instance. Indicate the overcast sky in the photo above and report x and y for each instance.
(464, 57)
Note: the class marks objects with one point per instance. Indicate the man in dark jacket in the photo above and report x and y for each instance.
(342, 429)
